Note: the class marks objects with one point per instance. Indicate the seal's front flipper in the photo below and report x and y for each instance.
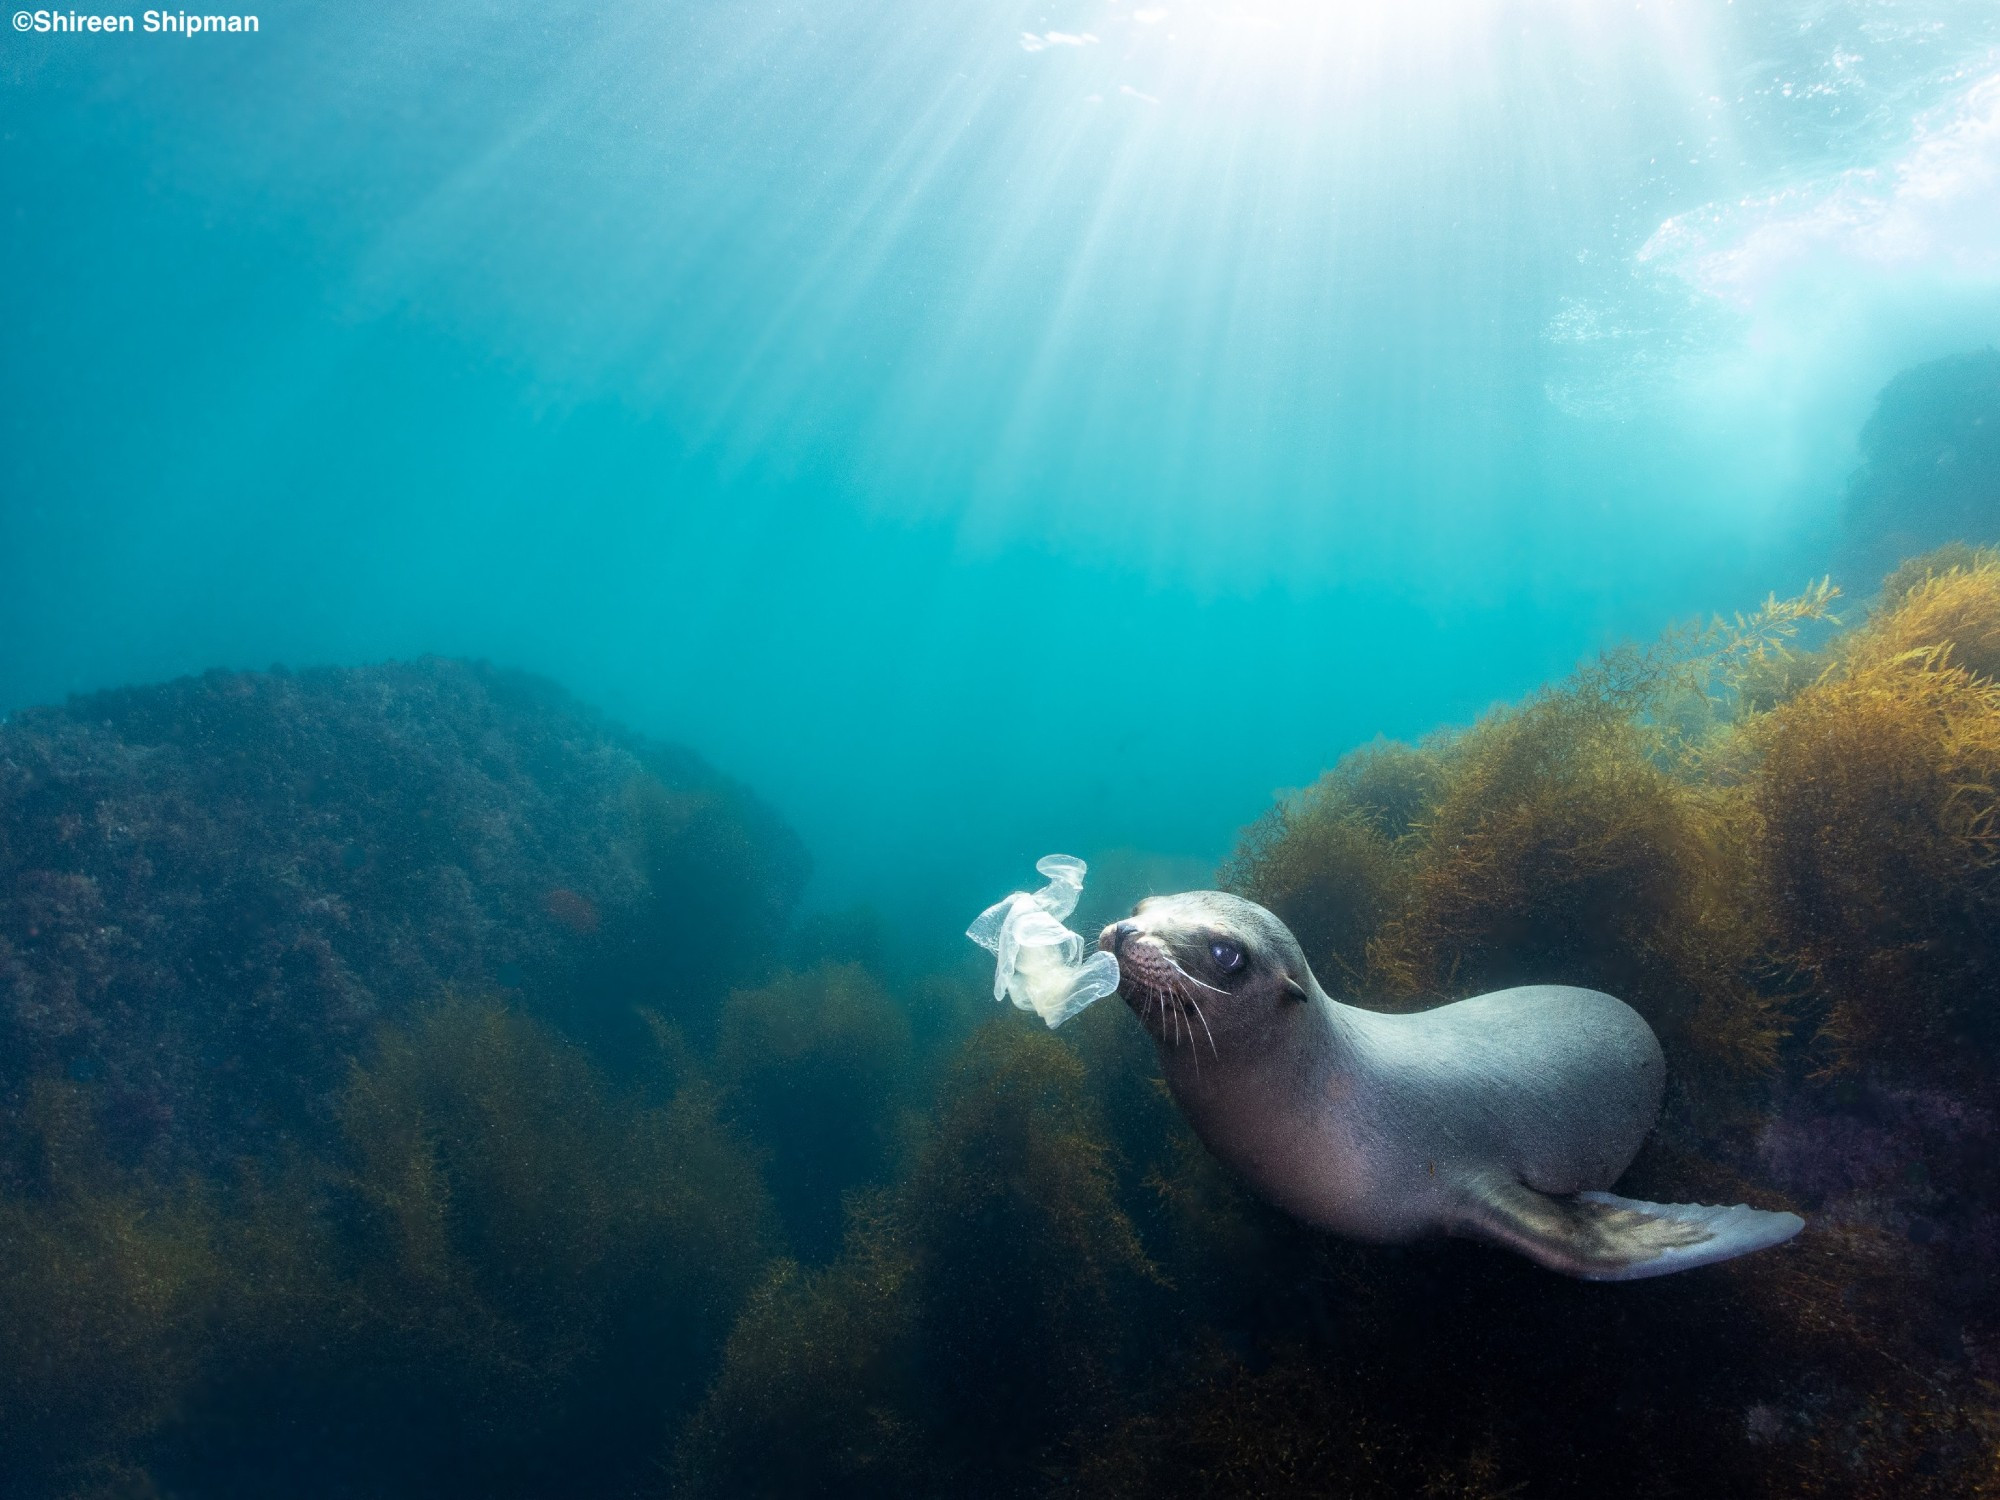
(1602, 1237)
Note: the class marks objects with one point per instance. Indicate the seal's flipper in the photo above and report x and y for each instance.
(1602, 1237)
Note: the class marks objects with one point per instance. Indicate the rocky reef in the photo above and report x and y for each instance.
(415, 1085)
(344, 1117)
(1930, 468)
(213, 891)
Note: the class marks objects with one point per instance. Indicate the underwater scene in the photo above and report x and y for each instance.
(1016, 748)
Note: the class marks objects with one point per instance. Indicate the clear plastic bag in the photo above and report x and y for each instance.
(1040, 963)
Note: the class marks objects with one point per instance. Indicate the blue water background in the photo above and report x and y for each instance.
(983, 428)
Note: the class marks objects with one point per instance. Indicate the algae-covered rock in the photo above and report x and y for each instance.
(1931, 461)
(211, 891)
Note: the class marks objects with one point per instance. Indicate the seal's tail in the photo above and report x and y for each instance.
(1602, 1237)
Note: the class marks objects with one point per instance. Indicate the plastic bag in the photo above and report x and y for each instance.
(1040, 963)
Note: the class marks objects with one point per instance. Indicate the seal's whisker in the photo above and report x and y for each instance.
(1189, 977)
(1204, 1026)
(1188, 1002)
(1183, 998)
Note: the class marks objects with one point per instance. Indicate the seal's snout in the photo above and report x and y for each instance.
(1113, 938)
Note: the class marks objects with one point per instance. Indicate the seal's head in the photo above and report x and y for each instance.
(1205, 965)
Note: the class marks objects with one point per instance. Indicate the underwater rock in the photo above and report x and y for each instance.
(212, 890)
(1931, 462)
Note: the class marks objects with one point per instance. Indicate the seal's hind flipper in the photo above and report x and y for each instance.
(1725, 1233)
(1602, 1237)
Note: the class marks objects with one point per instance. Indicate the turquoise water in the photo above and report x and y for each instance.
(980, 443)
(551, 560)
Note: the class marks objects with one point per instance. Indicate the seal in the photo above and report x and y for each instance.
(1504, 1118)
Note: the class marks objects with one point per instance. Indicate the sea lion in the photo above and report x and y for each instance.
(1502, 1118)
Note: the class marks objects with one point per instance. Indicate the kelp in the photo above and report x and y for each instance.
(107, 1284)
(822, 1231)
(1566, 853)
(813, 1068)
(1947, 601)
(1022, 1260)
(509, 1271)
(814, 1391)
(980, 1311)
(1879, 853)
(524, 1236)
(1553, 842)
(483, 1146)
(1327, 860)
(1705, 828)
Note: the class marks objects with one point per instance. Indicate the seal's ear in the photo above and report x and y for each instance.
(1293, 989)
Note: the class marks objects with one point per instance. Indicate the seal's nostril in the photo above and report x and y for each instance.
(1112, 939)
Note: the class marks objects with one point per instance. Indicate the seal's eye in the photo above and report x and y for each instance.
(1228, 957)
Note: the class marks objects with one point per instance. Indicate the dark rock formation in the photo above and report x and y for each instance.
(211, 891)
(1931, 473)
